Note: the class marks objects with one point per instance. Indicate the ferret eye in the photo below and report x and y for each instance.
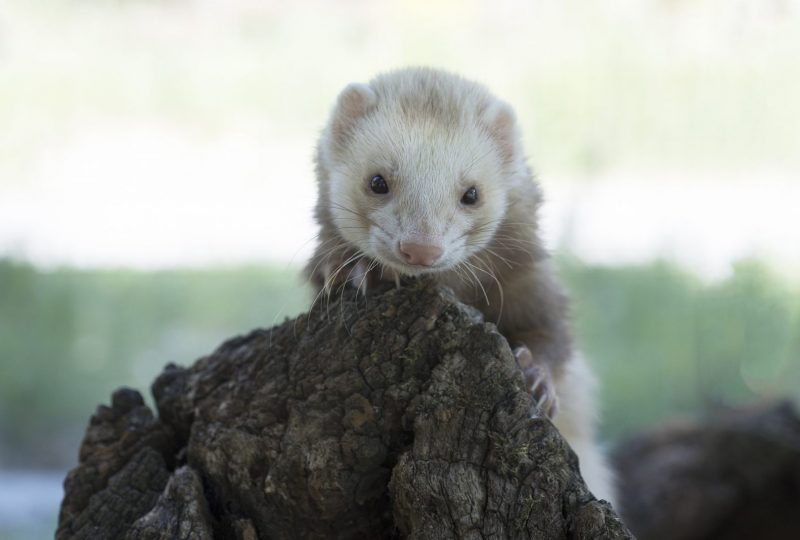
(378, 185)
(470, 196)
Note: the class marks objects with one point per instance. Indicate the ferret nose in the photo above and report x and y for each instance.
(419, 253)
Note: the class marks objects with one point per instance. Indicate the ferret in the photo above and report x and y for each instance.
(419, 172)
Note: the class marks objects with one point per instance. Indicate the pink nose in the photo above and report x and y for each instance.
(419, 253)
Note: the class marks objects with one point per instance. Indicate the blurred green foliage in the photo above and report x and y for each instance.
(663, 342)
(69, 337)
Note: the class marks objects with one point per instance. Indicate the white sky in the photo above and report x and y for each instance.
(134, 134)
(149, 198)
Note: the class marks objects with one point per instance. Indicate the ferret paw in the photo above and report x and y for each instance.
(359, 277)
(539, 381)
(354, 275)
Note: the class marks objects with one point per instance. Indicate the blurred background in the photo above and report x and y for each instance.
(156, 188)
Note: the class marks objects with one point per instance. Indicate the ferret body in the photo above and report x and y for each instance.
(422, 172)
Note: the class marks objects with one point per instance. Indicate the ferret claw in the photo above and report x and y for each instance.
(337, 277)
(358, 277)
(539, 382)
(361, 275)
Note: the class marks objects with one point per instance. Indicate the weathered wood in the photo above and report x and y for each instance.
(735, 476)
(402, 415)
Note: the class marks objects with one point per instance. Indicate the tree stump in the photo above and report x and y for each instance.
(735, 476)
(398, 415)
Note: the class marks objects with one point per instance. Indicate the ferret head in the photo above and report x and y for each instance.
(416, 169)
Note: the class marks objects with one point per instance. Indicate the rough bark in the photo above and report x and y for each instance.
(401, 415)
(124, 462)
(734, 476)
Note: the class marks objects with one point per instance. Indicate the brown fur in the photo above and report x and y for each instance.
(525, 300)
(432, 135)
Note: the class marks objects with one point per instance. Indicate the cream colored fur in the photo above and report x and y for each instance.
(432, 135)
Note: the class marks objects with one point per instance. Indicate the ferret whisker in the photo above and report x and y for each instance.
(493, 275)
(484, 247)
(471, 268)
(465, 276)
(348, 219)
(503, 259)
(514, 243)
(485, 227)
(475, 230)
(338, 243)
(332, 278)
(505, 221)
(362, 216)
(370, 268)
(342, 288)
(325, 256)
(342, 218)
(304, 244)
(478, 240)
(353, 228)
(510, 237)
(477, 283)
(348, 209)
(322, 256)
(459, 272)
(325, 289)
(321, 247)
(358, 255)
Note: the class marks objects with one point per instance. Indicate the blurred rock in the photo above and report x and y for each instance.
(734, 476)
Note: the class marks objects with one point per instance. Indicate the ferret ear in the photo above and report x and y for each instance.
(353, 103)
(501, 122)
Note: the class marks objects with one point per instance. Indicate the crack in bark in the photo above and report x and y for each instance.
(384, 429)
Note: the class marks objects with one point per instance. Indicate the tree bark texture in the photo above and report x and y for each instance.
(734, 476)
(399, 415)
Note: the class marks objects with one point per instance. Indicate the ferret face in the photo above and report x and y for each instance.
(416, 191)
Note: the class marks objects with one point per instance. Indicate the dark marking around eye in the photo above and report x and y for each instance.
(470, 196)
(378, 185)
